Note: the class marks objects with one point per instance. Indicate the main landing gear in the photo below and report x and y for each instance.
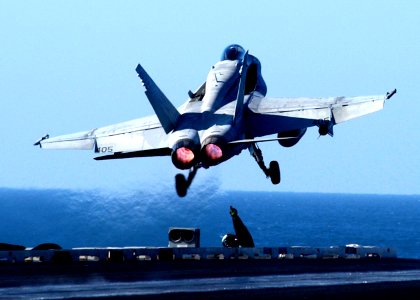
(182, 184)
(273, 171)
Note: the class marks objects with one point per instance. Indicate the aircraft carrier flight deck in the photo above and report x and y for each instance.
(184, 270)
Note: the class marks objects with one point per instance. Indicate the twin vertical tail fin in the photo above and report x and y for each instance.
(167, 114)
(241, 89)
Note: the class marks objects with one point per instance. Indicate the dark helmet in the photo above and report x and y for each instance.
(233, 52)
(230, 241)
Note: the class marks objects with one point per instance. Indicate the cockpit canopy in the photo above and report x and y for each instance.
(233, 52)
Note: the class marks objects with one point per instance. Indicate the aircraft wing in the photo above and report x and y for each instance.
(140, 137)
(272, 115)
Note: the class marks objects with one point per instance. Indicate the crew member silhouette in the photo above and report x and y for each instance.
(242, 237)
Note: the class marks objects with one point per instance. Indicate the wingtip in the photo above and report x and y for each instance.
(38, 142)
(390, 94)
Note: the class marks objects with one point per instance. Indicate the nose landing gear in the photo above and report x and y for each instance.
(182, 184)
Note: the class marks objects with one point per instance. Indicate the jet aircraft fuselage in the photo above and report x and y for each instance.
(228, 113)
(209, 120)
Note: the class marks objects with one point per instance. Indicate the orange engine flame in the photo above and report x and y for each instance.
(213, 152)
(184, 155)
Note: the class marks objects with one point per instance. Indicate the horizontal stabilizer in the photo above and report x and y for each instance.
(167, 114)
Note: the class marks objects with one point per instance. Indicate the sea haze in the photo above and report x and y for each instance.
(141, 218)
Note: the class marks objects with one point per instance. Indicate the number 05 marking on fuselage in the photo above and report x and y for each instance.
(108, 149)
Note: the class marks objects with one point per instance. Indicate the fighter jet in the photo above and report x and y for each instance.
(228, 113)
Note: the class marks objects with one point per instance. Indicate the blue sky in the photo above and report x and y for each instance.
(69, 66)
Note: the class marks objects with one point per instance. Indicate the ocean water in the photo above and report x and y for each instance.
(141, 218)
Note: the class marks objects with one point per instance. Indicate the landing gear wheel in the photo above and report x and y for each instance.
(181, 185)
(274, 171)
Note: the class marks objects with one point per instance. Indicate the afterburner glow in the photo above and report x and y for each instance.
(184, 155)
(213, 152)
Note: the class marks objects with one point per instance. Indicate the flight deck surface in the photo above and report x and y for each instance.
(207, 273)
